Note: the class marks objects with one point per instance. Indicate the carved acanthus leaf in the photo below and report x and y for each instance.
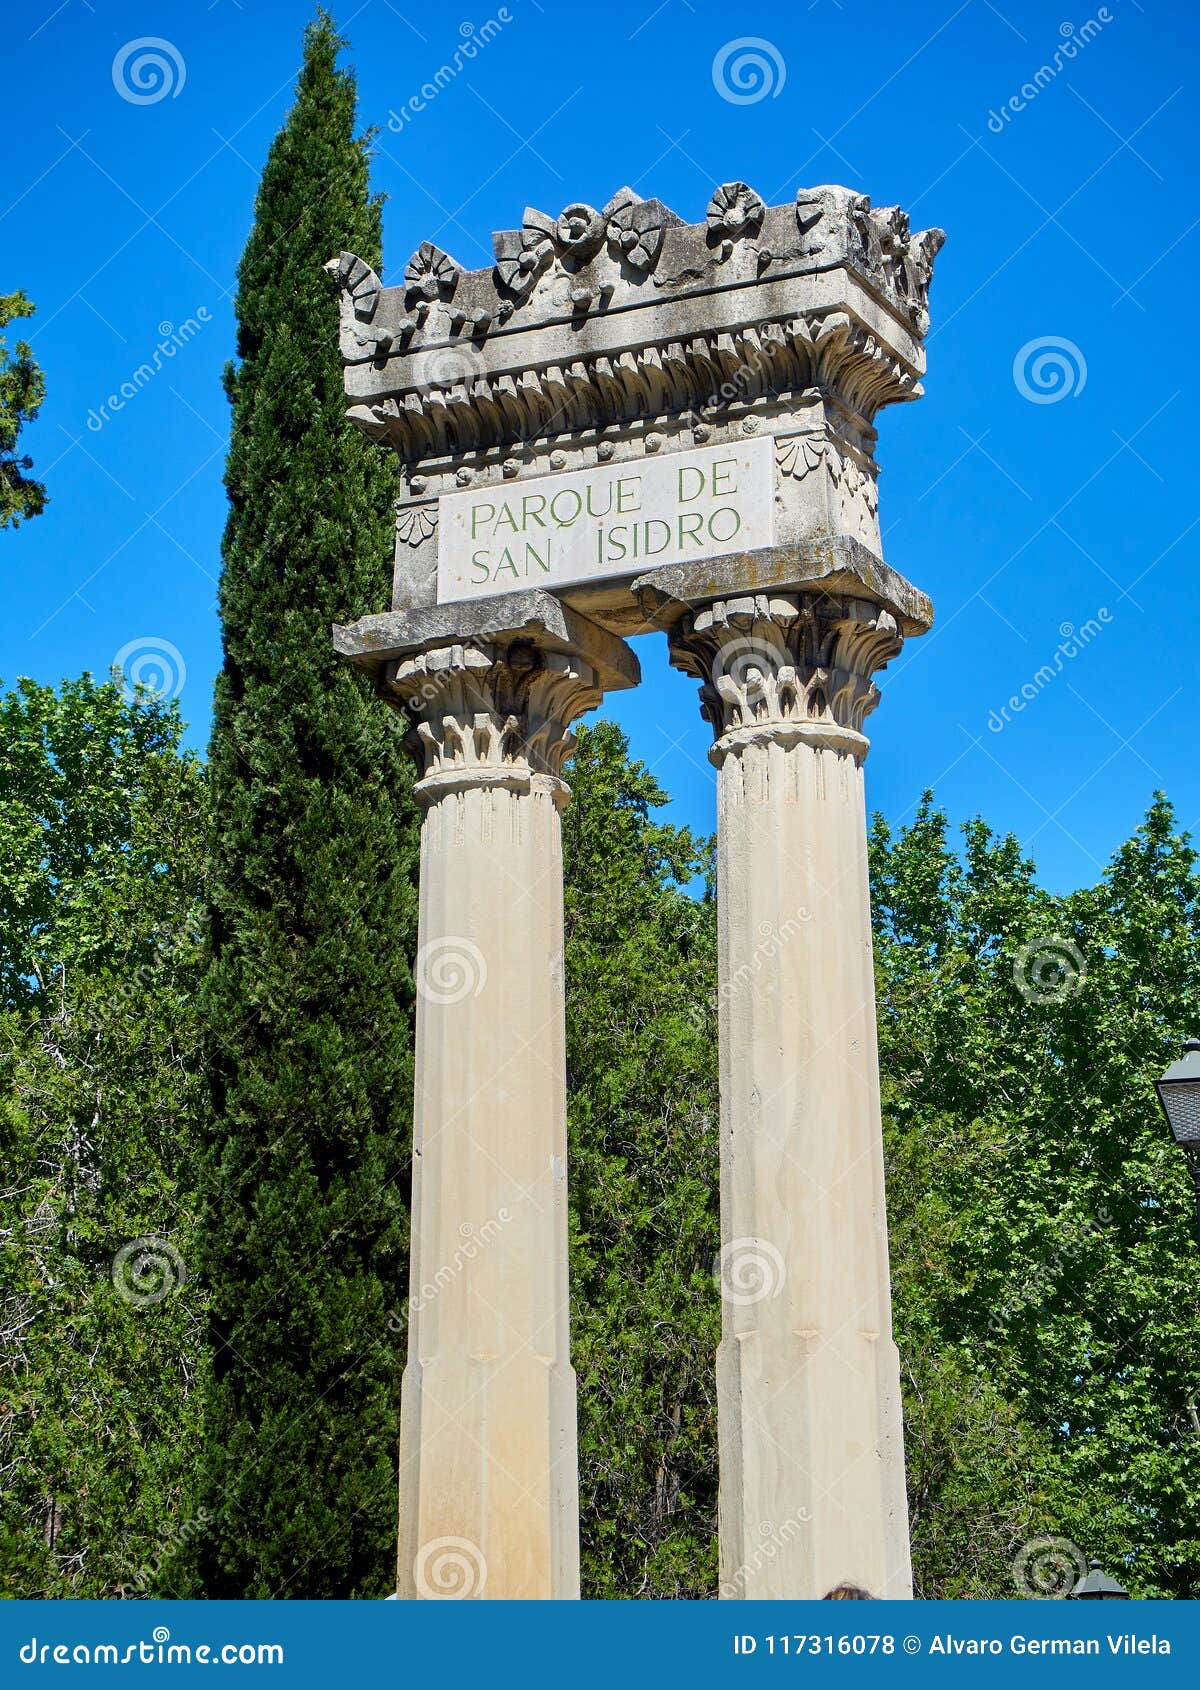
(481, 708)
(858, 480)
(776, 659)
(879, 242)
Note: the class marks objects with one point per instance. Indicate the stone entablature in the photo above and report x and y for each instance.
(606, 337)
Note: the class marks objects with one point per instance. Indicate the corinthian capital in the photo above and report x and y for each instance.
(483, 709)
(491, 687)
(800, 662)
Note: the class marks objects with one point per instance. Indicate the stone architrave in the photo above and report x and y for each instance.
(488, 1468)
(671, 425)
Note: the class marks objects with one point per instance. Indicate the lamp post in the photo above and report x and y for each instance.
(1179, 1093)
(1096, 1586)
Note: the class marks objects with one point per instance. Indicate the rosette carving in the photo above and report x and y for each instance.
(580, 231)
(522, 254)
(431, 273)
(634, 228)
(735, 211)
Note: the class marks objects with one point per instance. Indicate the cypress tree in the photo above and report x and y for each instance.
(313, 907)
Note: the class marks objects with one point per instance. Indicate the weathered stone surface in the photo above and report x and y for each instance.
(811, 1444)
(581, 274)
(604, 337)
(609, 340)
(838, 564)
(592, 528)
(376, 643)
(488, 1467)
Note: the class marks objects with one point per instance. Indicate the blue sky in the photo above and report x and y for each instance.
(1025, 510)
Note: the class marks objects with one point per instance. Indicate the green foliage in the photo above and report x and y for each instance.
(101, 828)
(22, 389)
(306, 1006)
(1041, 1215)
(1041, 1219)
(642, 1083)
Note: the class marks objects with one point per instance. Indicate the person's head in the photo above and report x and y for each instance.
(847, 1593)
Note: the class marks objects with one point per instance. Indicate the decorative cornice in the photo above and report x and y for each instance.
(700, 376)
(595, 317)
(800, 663)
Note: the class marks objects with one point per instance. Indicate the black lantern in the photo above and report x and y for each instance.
(1179, 1093)
(1096, 1586)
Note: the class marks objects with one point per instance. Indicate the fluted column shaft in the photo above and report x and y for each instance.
(812, 1464)
(489, 1484)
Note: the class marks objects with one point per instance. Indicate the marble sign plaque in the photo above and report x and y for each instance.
(602, 524)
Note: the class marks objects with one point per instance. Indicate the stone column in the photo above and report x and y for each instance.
(489, 1484)
(812, 1460)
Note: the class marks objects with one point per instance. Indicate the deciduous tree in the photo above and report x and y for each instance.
(101, 1316)
(22, 389)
